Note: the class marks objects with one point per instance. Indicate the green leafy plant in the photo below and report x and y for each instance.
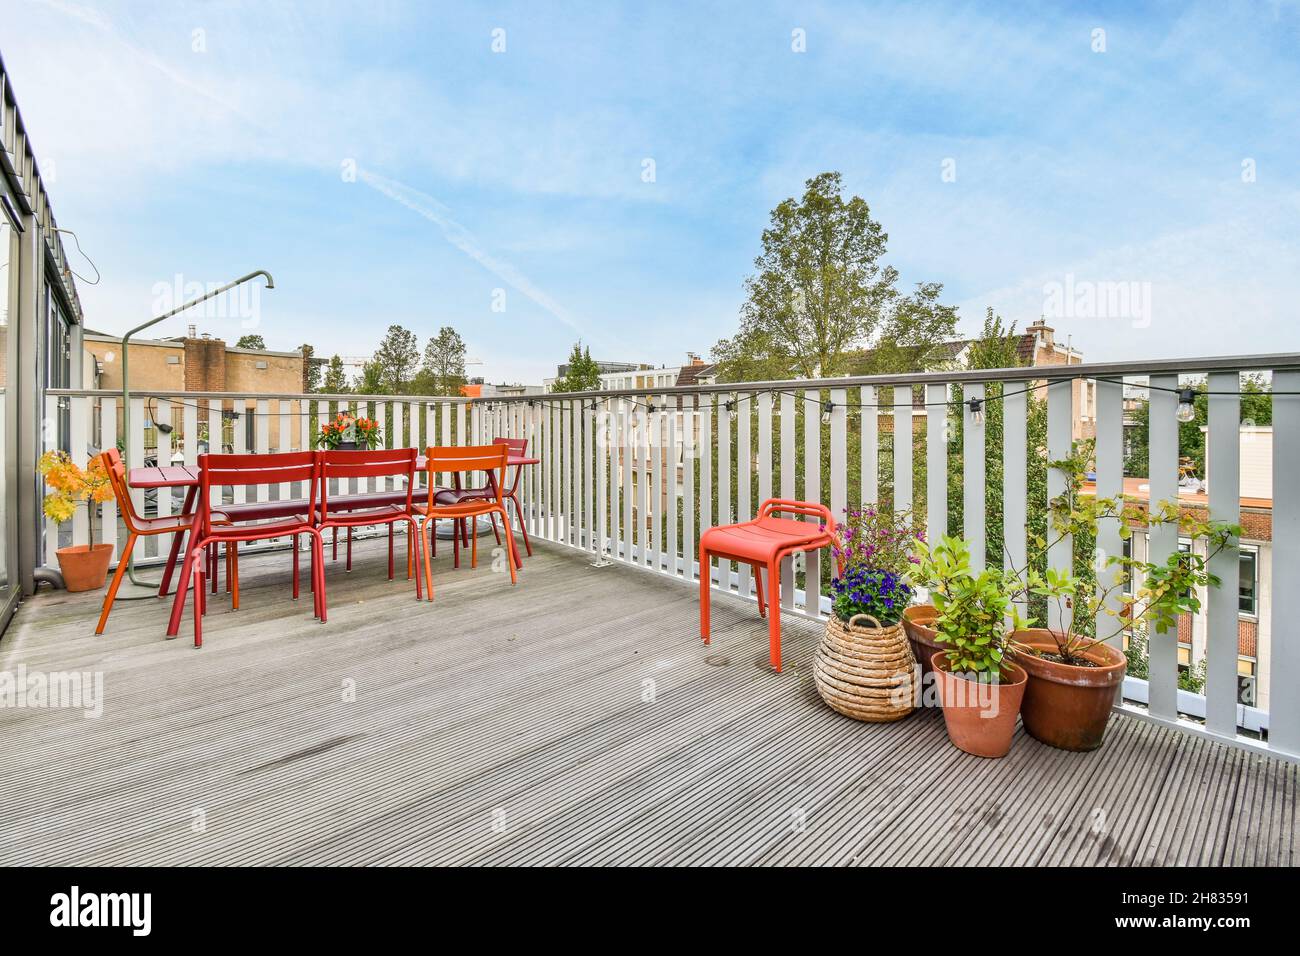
(976, 609)
(1167, 589)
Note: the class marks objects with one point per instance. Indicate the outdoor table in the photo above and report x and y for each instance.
(187, 477)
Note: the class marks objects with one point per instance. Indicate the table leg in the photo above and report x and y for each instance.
(177, 539)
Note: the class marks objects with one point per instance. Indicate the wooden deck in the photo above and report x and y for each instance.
(503, 725)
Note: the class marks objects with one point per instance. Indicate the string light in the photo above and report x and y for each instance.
(827, 408)
(1186, 404)
(976, 411)
(731, 409)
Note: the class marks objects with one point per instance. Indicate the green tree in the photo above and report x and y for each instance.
(336, 379)
(821, 294)
(371, 380)
(250, 342)
(311, 368)
(396, 362)
(582, 375)
(443, 371)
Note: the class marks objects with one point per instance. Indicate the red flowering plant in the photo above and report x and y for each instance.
(873, 550)
(344, 428)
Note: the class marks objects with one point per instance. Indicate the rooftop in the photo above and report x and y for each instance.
(497, 726)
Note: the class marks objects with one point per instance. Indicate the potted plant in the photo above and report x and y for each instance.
(864, 667)
(84, 566)
(348, 433)
(1074, 674)
(980, 687)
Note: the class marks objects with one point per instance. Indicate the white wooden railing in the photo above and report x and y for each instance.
(634, 476)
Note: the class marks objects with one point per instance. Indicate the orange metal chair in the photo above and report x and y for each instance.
(762, 544)
(138, 527)
(491, 459)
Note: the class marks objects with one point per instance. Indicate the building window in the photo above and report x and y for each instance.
(1126, 571)
(1248, 580)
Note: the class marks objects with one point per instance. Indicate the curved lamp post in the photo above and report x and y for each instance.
(126, 381)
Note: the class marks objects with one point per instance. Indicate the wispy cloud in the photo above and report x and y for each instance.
(464, 240)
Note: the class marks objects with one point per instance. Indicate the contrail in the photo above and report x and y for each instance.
(464, 240)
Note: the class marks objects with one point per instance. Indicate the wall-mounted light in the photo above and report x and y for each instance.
(1186, 405)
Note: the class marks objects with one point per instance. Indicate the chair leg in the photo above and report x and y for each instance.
(212, 565)
(758, 588)
(198, 603)
(295, 567)
(473, 547)
(705, 572)
(522, 527)
(182, 586)
(336, 544)
(410, 555)
(493, 517)
(229, 549)
(455, 542)
(117, 582)
(234, 573)
(511, 555)
(412, 532)
(318, 557)
(774, 618)
(349, 566)
(390, 550)
(426, 526)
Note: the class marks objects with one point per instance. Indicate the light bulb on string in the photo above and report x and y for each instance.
(731, 410)
(976, 411)
(827, 408)
(1186, 405)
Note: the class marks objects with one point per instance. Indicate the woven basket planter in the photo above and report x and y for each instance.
(867, 673)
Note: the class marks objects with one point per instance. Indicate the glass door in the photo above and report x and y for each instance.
(8, 419)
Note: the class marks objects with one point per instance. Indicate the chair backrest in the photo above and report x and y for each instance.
(242, 470)
(459, 459)
(810, 509)
(519, 448)
(115, 468)
(365, 463)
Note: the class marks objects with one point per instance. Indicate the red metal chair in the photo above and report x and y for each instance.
(762, 544)
(217, 471)
(457, 461)
(377, 463)
(138, 527)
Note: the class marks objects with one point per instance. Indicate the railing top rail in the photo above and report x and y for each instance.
(292, 396)
(1032, 373)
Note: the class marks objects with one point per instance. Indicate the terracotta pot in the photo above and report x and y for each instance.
(1067, 706)
(84, 568)
(917, 623)
(981, 718)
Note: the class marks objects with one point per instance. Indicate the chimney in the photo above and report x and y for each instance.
(1043, 334)
(693, 360)
(194, 331)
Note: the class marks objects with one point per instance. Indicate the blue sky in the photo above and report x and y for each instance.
(522, 170)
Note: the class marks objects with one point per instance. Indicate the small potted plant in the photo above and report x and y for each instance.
(84, 566)
(1074, 674)
(980, 687)
(348, 433)
(864, 667)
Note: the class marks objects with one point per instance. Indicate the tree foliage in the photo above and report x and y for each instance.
(821, 294)
(392, 369)
(311, 368)
(443, 371)
(582, 375)
(336, 379)
(251, 342)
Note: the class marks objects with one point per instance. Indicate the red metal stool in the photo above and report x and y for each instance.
(763, 543)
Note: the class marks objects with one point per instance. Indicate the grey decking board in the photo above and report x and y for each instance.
(454, 719)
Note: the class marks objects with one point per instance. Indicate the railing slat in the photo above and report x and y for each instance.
(1284, 677)
(788, 490)
(936, 462)
(869, 422)
(627, 454)
(690, 450)
(1060, 441)
(1223, 473)
(744, 457)
(812, 468)
(655, 482)
(592, 539)
(79, 441)
(903, 437)
(107, 440)
(672, 454)
(1110, 482)
(839, 453)
(1015, 479)
(973, 477)
(1162, 680)
(724, 482)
